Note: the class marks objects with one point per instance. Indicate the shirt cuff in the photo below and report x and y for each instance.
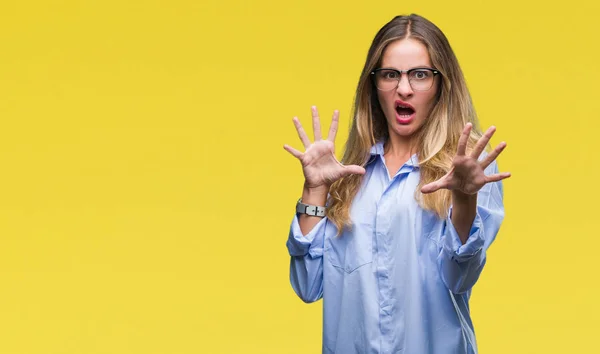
(453, 245)
(300, 245)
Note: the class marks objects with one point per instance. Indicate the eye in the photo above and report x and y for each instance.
(421, 74)
(389, 75)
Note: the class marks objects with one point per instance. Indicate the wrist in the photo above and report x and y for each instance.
(315, 195)
(458, 195)
(464, 201)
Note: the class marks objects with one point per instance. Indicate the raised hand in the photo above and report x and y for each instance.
(467, 173)
(319, 164)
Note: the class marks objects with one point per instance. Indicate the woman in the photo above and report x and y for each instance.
(394, 238)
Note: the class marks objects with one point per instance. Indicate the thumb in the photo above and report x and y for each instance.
(432, 187)
(354, 170)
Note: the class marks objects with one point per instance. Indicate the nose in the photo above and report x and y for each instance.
(404, 89)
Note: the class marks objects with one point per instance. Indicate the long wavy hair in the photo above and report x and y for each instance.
(436, 140)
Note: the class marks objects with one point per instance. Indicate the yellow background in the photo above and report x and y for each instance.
(145, 196)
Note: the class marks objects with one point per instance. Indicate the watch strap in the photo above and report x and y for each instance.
(312, 210)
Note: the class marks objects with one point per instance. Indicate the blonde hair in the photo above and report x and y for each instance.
(436, 140)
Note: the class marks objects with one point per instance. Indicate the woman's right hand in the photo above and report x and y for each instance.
(319, 164)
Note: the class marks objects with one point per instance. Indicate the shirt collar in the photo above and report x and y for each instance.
(377, 149)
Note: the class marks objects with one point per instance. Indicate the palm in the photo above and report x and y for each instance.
(319, 164)
(465, 176)
(467, 173)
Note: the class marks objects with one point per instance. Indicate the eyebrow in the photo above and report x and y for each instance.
(416, 67)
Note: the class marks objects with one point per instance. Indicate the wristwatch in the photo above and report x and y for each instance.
(312, 210)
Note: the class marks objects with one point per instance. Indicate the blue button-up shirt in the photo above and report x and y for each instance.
(400, 279)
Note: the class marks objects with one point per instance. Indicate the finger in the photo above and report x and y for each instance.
(464, 138)
(482, 143)
(334, 126)
(493, 155)
(291, 150)
(354, 170)
(301, 133)
(497, 177)
(433, 186)
(316, 123)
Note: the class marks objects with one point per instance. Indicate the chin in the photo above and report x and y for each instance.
(405, 131)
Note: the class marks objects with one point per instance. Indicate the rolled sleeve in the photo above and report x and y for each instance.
(312, 244)
(306, 263)
(461, 265)
(474, 245)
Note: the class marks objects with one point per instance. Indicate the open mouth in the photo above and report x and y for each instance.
(404, 111)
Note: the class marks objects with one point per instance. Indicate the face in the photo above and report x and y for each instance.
(404, 107)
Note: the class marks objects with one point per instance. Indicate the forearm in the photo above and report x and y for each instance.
(312, 196)
(464, 208)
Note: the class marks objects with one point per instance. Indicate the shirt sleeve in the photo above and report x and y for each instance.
(461, 265)
(306, 263)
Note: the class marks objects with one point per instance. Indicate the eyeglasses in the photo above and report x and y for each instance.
(420, 79)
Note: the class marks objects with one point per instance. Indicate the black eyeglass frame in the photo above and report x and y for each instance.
(400, 72)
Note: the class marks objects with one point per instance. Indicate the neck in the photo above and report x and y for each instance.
(399, 147)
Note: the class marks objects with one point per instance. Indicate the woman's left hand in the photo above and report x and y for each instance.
(467, 173)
